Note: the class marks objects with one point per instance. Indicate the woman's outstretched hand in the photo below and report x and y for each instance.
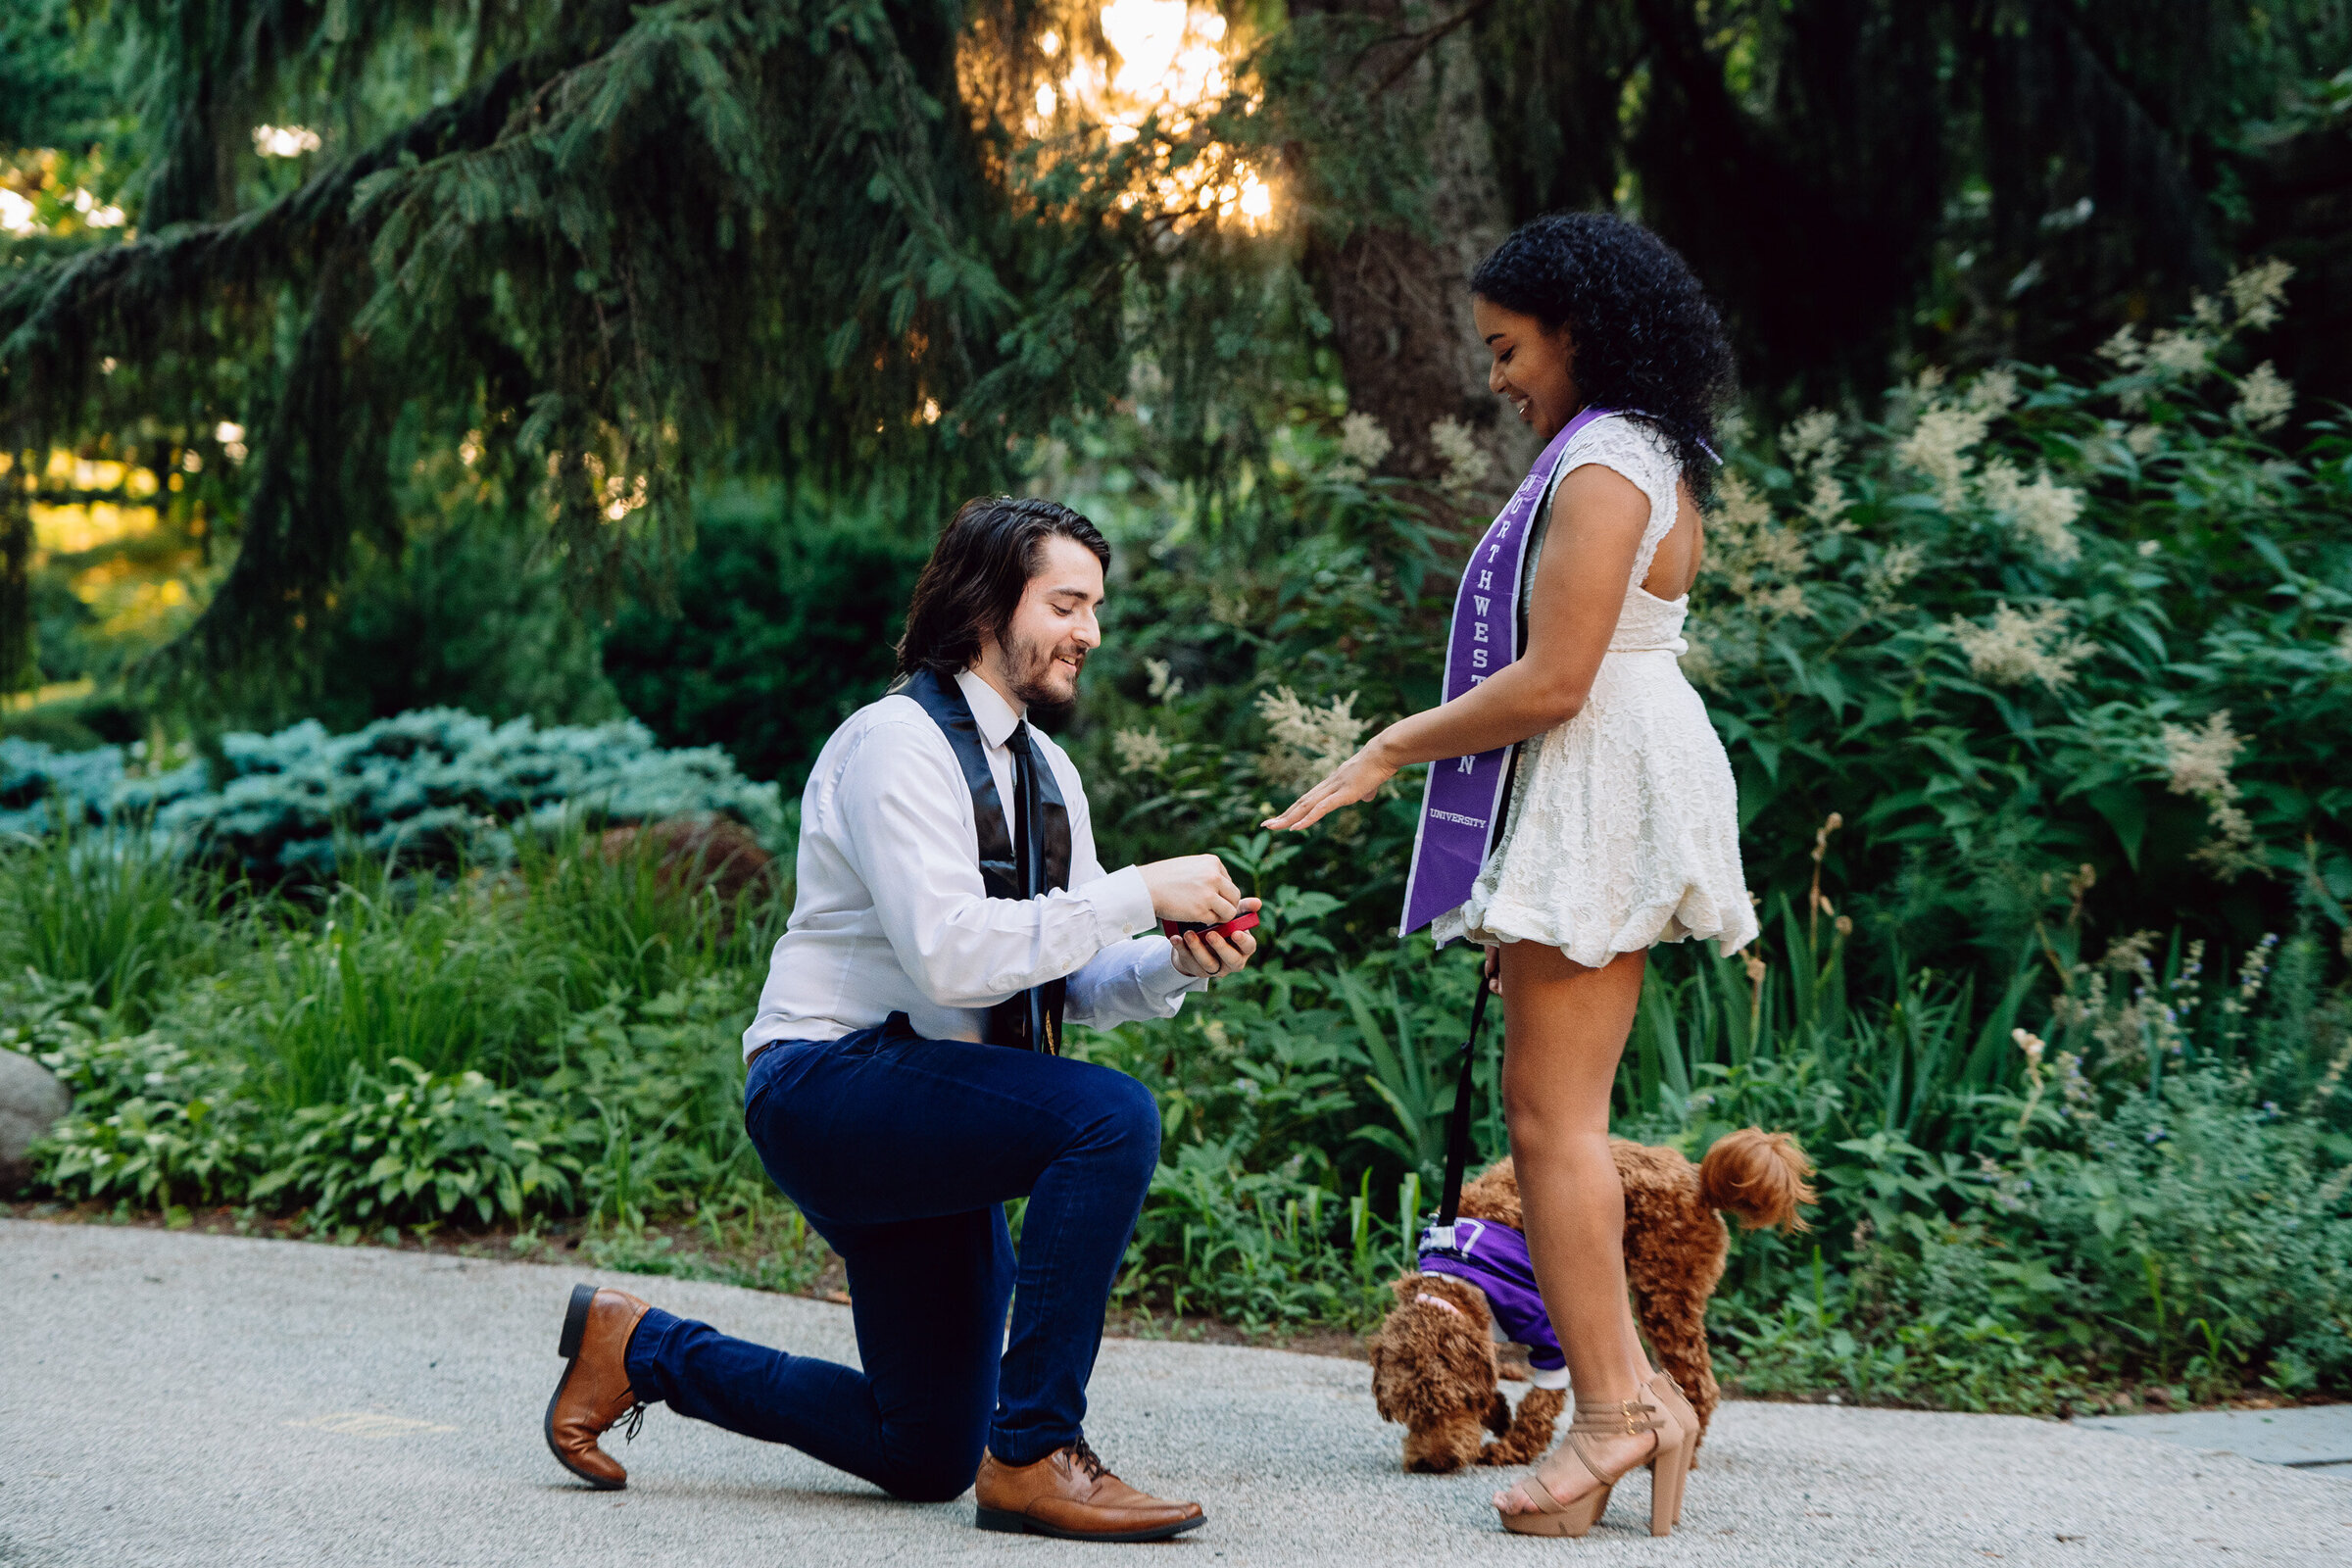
(1355, 779)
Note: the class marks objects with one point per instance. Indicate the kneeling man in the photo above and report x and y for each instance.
(904, 1075)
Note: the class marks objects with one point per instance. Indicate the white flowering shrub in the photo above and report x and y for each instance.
(1364, 444)
(2029, 622)
(1308, 741)
(2014, 647)
(1469, 466)
(1141, 750)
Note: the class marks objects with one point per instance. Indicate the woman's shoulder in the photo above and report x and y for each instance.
(1631, 445)
(1620, 432)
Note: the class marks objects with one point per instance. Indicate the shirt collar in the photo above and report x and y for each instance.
(994, 715)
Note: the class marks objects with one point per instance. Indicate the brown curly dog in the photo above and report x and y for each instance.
(1434, 1366)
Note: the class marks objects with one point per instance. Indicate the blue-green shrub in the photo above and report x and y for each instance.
(40, 785)
(424, 787)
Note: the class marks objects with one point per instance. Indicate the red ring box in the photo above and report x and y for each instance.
(1180, 928)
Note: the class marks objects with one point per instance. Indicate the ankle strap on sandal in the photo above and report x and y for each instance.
(1624, 1418)
(1609, 1418)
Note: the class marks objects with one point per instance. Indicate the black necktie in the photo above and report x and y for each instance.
(1029, 853)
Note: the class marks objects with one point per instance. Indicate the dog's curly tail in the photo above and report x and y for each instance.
(1759, 1176)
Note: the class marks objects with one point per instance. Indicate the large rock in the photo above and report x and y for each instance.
(30, 1101)
(694, 853)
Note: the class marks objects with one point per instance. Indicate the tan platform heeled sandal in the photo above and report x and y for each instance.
(1667, 1395)
(1598, 1419)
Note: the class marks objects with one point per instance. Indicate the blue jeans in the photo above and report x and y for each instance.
(901, 1152)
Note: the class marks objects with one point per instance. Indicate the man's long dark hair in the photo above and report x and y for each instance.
(976, 574)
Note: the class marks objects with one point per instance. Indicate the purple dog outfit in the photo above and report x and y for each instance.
(1493, 1258)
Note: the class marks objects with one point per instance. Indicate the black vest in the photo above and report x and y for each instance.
(1031, 858)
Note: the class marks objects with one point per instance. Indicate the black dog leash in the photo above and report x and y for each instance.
(1457, 1129)
(1440, 1237)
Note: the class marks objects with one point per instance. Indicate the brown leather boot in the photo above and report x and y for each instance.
(593, 1395)
(1071, 1493)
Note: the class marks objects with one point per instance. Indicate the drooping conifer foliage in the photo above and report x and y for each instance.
(608, 252)
(612, 249)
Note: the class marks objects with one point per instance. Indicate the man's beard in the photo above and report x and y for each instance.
(1030, 665)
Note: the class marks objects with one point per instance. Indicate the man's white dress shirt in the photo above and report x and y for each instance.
(890, 915)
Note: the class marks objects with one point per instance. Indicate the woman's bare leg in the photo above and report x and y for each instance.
(1566, 1026)
(1642, 1369)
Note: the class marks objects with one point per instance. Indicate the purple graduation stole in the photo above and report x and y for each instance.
(1464, 794)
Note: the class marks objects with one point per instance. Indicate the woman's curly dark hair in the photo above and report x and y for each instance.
(1647, 339)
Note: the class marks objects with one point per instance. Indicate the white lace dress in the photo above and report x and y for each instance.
(1624, 823)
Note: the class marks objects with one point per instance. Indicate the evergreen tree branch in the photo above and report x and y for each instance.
(149, 296)
(726, 207)
(1418, 44)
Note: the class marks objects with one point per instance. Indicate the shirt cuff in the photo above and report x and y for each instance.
(1122, 902)
(1158, 974)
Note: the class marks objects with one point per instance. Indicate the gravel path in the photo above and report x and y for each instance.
(188, 1400)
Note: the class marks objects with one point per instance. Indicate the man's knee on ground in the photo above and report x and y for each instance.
(939, 1476)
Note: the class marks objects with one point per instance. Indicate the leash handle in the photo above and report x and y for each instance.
(1457, 1125)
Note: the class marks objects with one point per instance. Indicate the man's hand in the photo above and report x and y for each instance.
(1193, 887)
(1206, 954)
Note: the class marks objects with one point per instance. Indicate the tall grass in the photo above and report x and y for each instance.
(482, 971)
(450, 981)
(1912, 1066)
(109, 908)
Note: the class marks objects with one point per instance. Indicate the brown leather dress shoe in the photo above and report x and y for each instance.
(593, 1395)
(1071, 1493)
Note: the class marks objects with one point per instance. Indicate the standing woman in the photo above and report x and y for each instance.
(1622, 827)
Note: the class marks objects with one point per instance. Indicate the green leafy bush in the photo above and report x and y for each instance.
(2186, 1239)
(152, 1122)
(2208, 1222)
(464, 612)
(1878, 1341)
(784, 623)
(657, 1081)
(413, 1146)
(1266, 1249)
